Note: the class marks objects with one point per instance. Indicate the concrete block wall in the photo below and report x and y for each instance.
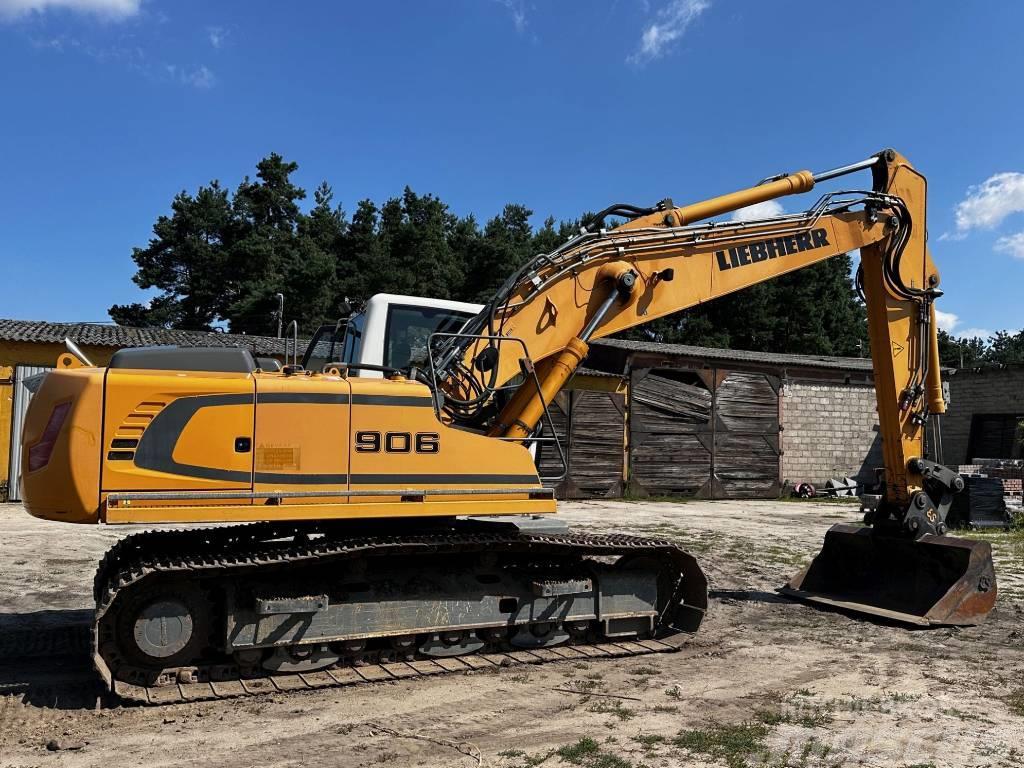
(829, 430)
(988, 390)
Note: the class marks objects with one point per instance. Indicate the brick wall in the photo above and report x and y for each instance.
(971, 392)
(829, 430)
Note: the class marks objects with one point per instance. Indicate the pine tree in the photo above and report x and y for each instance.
(186, 261)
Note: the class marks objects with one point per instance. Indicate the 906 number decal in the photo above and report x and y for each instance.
(398, 442)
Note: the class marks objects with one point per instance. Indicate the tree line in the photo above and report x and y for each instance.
(219, 258)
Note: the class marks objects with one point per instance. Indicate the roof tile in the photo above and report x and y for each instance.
(100, 335)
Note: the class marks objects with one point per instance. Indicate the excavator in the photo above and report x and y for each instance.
(346, 527)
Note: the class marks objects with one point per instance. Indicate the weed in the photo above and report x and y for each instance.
(613, 707)
(533, 760)
(576, 753)
(665, 708)
(644, 669)
(587, 752)
(732, 743)
(648, 740)
(511, 753)
(1016, 702)
(675, 692)
(583, 686)
(814, 718)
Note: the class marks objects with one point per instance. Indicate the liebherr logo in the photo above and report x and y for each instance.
(752, 253)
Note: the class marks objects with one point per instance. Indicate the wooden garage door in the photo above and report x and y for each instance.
(596, 444)
(591, 429)
(746, 453)
(692, 437)
(549, 463)
(671, 433)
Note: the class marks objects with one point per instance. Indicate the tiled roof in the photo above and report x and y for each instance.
(740, 355)
(119, 336)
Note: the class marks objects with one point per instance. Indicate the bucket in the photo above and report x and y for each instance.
(930, 581)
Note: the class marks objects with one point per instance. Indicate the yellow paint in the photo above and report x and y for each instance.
(198, 513)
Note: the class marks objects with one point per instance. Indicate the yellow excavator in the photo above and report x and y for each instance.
(395, 525)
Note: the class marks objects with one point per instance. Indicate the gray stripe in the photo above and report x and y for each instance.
(403, 400)
(452, 479)
(302, 397)
(157, 444)
(297, 478)
(158, 441)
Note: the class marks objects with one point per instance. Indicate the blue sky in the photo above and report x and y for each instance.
(110, 107)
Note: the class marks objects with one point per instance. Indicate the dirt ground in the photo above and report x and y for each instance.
(765, 682)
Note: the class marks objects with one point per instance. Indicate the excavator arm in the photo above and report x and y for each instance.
(531, 337)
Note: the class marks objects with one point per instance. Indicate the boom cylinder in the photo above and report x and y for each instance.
(794, 184)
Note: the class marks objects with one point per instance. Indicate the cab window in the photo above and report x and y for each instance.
(408, 332)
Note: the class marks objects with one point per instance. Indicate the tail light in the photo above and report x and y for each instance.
(39, 454)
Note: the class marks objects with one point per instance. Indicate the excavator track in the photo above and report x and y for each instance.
(140, 564)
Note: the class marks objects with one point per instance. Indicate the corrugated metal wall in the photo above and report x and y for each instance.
(22, 396)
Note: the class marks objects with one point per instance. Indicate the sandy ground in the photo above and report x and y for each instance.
(765, 682)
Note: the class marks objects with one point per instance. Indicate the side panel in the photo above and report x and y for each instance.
(177, 430)
(399, 443)
(67, 487)
(302, 435)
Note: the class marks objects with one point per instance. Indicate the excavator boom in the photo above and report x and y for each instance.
(660, 262)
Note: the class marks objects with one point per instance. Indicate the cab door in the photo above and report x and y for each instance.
(177, 430)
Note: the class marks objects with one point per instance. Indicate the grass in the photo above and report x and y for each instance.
(588, 753)
(814, 718)
(613, 707)
(578, 752)
(648, 740)
(1016, 702)
(644, 669)
(734, 744)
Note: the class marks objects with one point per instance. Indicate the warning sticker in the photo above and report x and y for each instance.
(277, 457)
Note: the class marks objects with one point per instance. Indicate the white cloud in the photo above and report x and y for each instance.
(669, 25)
(200, 77)
(987, 204)
(111, 9)
(217, 36)
(1011, 244)
(974, 333)
(947, 321)
(518, 10)
(765, 210)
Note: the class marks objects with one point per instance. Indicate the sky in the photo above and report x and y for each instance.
(108, 108)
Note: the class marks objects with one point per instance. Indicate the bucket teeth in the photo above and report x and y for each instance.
(934, 580)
